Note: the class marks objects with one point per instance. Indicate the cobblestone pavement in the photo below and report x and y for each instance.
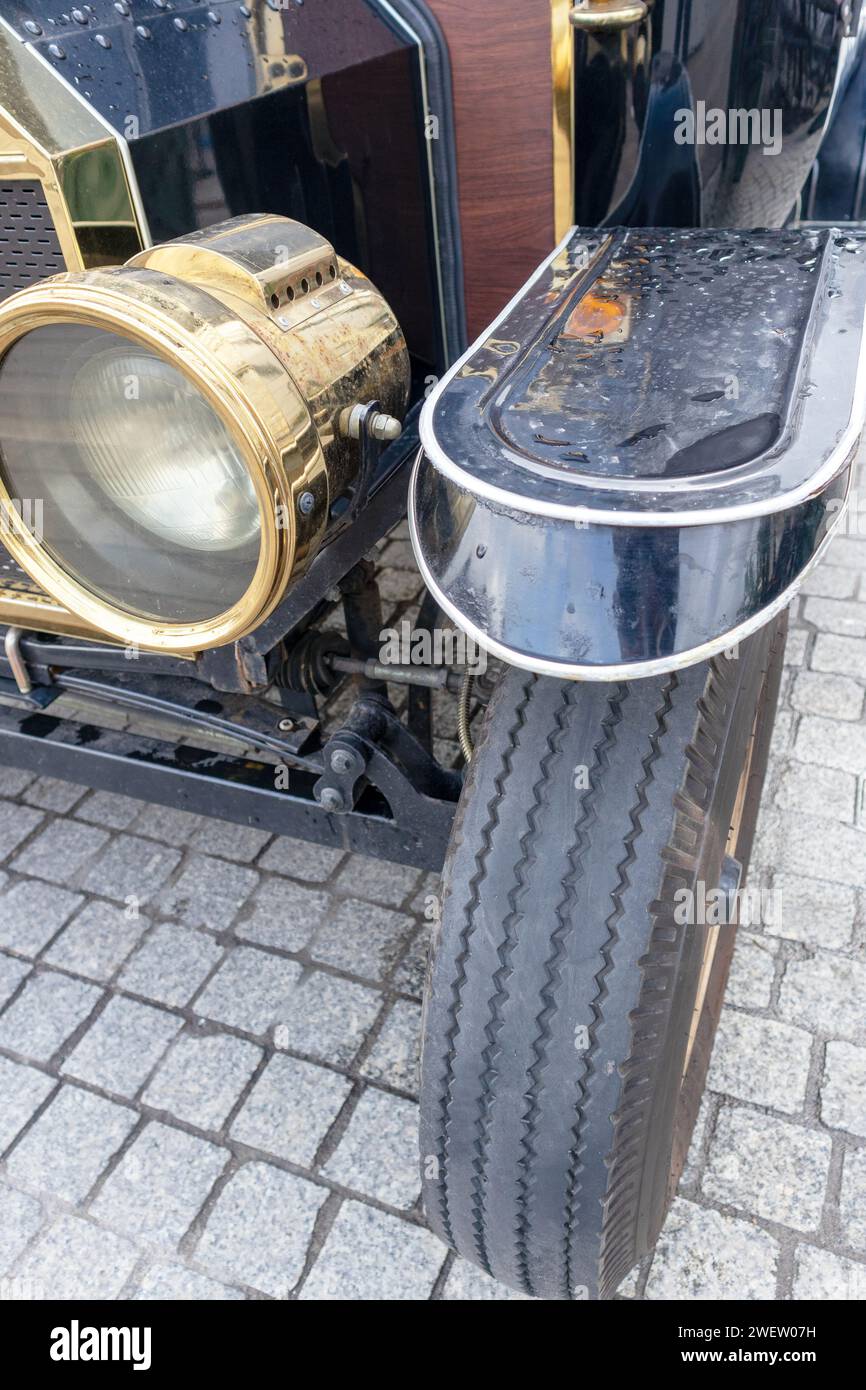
(155, 1144)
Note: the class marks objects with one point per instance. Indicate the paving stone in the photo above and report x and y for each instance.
(818, 791)
(229, 841)
(761, 1061)
(378, 1154)
(49, 794)
(752, 971)
(399, 586)
(466, 1284)
(171, 964)
(99, 940)
(371, 1255)
(283, 915)
(395, 1056)
(831, 581)
(176, 1283)
(109, 809)
(408, 978)
(377, 880)
(852, 1200)
(825, 992)
(166, 823)
(326, 1017)
(813, 911)
(12, 972)
(704, 1255)
(843, 1088)
(13, 780)
(121, 1048)
(837, 616)
(48, 1010)
(767, 845)
(32, 912)
(818, 1274)
(837, 697)
(692, 1166)
(795, 649)
(75, 1259)
(290, 1109)
(768, 1167)
(70, 1143)
(312, 863)
(847, 655)
(244, 1244)
(811, 846)
(832, 744)
(60, 851)
(20, 1219)
(23, 1090)
(202, 1077)
(208, 893)
(847, 550)
(131, 869)
(364, 939)
(251, 991)
(159, 1185)
(16, 823)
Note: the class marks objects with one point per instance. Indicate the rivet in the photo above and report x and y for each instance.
(245, 11)
(122, 8)
(181, 24)
(142, 31)
(306, 503)
(103, 40)
(79, 16)
(214, 17)
(56, 51)
(32, 27)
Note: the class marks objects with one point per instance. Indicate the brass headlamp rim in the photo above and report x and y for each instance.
(232, 371)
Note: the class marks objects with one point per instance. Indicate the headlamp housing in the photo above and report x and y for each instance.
(179, 422)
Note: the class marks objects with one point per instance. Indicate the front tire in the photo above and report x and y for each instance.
(569, 1017)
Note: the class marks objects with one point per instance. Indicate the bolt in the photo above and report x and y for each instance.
(342, 761)
(306, 503)
(332, 799)
(385, 428)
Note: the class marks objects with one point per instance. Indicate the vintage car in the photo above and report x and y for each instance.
(244, 249)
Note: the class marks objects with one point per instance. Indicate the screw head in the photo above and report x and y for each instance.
(342, 761)
(306, 503)
(331, 799)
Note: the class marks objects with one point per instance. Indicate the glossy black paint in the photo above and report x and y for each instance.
(645, 373)
(608, 596)
(779, 56)
(311, 110)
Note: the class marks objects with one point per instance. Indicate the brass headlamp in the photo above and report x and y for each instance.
(184, 423)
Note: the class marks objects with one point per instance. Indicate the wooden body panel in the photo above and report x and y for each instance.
(503, 99)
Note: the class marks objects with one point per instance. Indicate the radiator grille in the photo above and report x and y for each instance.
(29, 248)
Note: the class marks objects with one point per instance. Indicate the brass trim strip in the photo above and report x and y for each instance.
(562, 63)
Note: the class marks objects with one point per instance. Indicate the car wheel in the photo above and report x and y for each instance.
(576, 977)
